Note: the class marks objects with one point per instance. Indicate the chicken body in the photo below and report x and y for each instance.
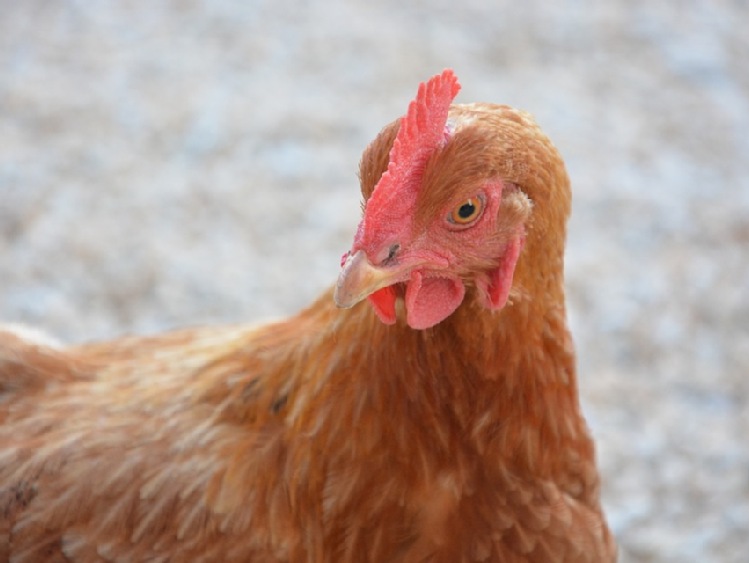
(331, 436)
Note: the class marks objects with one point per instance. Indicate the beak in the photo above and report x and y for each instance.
(360, 279)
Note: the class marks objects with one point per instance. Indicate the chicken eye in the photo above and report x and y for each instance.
(467, 212)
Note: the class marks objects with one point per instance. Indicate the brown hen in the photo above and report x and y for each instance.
(439, 422)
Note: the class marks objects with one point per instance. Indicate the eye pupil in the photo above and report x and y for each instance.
(467, 210)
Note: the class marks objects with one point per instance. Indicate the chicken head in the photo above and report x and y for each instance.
(439, 221)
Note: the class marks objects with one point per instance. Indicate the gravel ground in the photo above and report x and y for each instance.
(176, 163)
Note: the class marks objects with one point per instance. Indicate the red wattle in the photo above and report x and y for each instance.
(383, 303)
(431, 300)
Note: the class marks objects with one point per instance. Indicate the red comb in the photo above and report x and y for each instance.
(422, 130)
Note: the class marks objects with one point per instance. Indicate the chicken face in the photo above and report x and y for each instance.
(436, 222)
(465, 244)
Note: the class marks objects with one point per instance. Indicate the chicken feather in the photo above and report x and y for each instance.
(329, 436)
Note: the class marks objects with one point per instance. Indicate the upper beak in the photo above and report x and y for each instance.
(359, 279)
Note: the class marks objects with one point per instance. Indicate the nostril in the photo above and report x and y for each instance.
(392, 251)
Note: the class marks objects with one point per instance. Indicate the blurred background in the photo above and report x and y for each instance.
(165, 164)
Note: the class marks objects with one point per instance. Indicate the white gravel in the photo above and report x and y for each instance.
(177, 163)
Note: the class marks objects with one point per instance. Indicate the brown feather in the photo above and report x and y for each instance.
(328, 436)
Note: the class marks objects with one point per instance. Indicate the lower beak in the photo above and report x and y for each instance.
(360, 279)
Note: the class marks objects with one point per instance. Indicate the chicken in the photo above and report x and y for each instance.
(423, 410)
